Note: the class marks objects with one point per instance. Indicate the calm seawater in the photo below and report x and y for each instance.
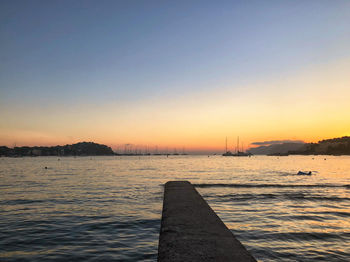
(109, 208)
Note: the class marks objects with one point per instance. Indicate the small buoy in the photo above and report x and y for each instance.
(46, 167)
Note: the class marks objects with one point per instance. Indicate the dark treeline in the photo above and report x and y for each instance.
(334, 146)
(78, 149)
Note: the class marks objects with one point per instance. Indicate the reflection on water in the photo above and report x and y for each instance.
(109, 208)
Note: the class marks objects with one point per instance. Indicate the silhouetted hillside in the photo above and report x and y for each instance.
(334, 146)
(78, 149)
(276, 149)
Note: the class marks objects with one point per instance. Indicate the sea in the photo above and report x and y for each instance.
(109, 208)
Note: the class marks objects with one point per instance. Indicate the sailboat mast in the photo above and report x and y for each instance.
(237, 144)
(226, 145)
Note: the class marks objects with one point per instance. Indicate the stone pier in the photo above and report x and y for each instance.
(191, 230)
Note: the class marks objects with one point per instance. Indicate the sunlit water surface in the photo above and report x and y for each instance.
(109, 208)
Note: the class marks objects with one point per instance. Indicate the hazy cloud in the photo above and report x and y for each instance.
(274, 142)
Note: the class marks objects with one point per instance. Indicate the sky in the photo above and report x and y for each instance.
(173, 73)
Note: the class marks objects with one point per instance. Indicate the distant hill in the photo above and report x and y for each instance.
(334, 146)
(276, 149)
(78, 149)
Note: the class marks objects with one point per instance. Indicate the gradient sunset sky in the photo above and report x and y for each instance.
(173, 73)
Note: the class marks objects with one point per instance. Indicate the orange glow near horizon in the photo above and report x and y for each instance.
(190, 143)
(310, 105)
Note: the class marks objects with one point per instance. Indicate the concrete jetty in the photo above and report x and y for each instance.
(191, 231)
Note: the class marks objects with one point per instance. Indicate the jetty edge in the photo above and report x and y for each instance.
(192, 231)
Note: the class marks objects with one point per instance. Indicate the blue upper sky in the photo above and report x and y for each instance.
(129, 50)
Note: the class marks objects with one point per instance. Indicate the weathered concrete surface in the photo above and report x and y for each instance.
(191, 231)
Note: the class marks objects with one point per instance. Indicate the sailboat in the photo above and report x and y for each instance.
(238, 153)
(227, 153)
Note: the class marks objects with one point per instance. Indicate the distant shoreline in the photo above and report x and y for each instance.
(335, 147)
(331, 147)
(166, 155)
